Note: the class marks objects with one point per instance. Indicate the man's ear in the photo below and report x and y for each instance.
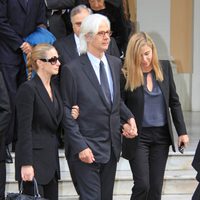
(89, 37)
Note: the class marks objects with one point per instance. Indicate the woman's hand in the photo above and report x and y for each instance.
(183, 140)
(128, 131)
(75, 111)
(27, 173)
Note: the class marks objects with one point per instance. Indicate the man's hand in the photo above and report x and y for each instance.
(75, 111)
(26, 47)
(86, 156)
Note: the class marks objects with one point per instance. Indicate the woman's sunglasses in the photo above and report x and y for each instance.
(52, 60)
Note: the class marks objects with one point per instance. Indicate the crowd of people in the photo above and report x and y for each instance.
(98, 88)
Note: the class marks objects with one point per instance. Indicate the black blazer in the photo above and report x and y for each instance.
(98, 125)
(38, 129)
(5, 114)
(135, 102)
(67, 49)
(16, 22)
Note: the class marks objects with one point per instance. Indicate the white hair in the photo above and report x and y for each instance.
(90, 25)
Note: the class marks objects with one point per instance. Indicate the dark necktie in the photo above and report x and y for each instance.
(104, 82)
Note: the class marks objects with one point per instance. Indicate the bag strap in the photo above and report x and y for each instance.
(36, 190)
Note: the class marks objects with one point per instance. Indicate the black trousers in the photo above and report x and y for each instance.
(2, 179)
(48, 191)
(95, 181)
(196, 195)
(13, 75)
(148, 165)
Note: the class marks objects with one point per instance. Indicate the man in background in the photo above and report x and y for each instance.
(4, 121)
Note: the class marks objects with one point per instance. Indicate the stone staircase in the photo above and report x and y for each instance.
(179, 181)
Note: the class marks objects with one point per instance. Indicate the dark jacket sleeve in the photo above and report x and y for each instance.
(41, 14)
(4, 107)
(174, 103)
(7, 33)
(68, 92)
(24, 109)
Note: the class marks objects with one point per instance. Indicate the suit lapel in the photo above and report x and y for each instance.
(89, 71)
(29, 5)
(73, 49)
(23, 4)
(114, 78)
(45, 97)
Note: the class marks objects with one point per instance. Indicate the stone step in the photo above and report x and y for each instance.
(127, 197)
(179, 177)
(175, 182)
(176, 161)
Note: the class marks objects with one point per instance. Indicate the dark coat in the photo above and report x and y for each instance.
(17, 21)
(38, 129)
(5, 114)
(135, 102)
(98, 125)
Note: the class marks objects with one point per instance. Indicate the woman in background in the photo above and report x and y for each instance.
(149, 91)
(39, 113)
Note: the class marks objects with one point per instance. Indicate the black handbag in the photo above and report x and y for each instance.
(20, 196)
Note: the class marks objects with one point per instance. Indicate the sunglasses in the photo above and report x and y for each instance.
(52, 60)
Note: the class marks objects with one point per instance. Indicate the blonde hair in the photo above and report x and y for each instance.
(132, 69)
(38, 52)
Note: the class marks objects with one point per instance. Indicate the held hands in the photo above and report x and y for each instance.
(75, 112)
(27, 173)
(86, 156)
(130, 129)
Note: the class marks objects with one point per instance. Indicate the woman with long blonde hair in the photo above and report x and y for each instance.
(149, 91)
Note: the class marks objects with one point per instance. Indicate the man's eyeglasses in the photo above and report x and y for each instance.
(52, 60)
(103, 33)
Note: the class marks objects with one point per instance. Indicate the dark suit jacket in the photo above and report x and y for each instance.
(67, 49)
(4, 115)
(38, 129)
(196, 161)
(98, 125)
(16, 22)
(57, 25)
(135, 102)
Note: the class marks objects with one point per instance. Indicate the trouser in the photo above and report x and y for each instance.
(2, 179)
(196, 195)
(148, 165)
(13, 75)
(95, 181)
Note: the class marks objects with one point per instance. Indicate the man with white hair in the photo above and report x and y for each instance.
(92, 81)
